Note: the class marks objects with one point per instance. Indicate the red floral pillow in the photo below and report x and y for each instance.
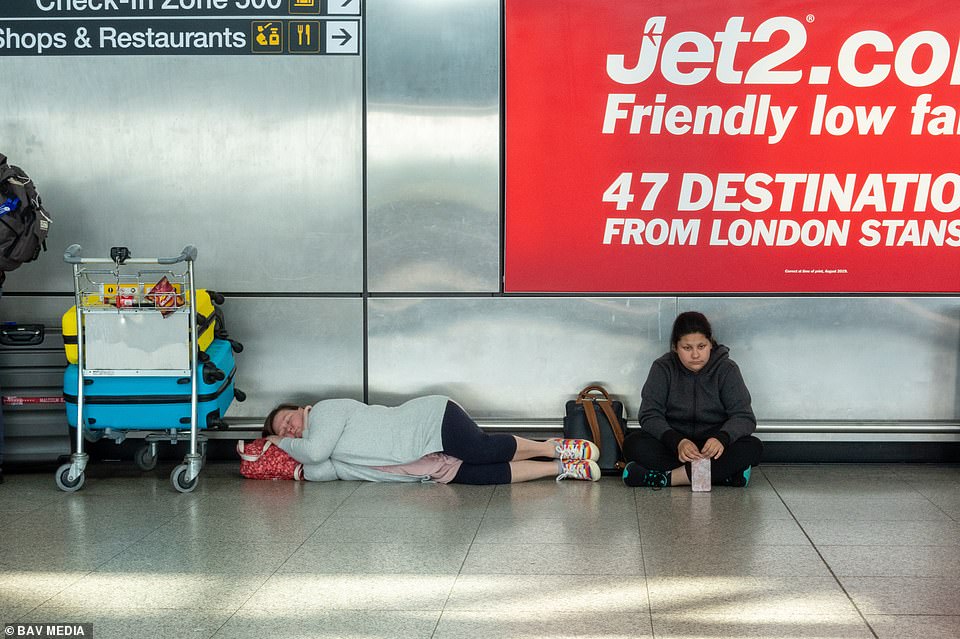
(260, 459)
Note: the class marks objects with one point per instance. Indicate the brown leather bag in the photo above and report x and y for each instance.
(606, 428)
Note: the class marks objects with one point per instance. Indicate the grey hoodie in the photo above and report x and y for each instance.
(714, 402)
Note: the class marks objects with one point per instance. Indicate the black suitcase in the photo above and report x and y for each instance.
(31, 386)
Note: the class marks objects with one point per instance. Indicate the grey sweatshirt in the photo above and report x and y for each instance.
(714, 402)
(345, 437)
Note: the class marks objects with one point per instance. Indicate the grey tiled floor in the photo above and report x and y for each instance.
(842, 551)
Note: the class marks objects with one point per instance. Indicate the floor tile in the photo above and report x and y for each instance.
(499, 624)
(893, 561)
(23, 590)
(695, 625)
(351, 558)
(417, 500)
(840, 532)
(447, 529)
(21, 494)
(549, 499)
(329, 624)
(753, 531)
(544, 593)
(945, 496)
(112, 623)
(173, 556)
(751, 597)
(723, 503)
(352, 592)
(904, 595)
(733, 559)
(915, 626)
(123, 591)
(553, 559)
(853, 508)
(614, 529)
(927, 474)
(42, 553)
(857, 480)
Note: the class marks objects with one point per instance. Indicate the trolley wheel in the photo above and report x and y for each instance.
(179, 479)
(64, 484)
(217, 298)
(144, 459)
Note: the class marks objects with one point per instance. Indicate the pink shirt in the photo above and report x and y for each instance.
(439, 467)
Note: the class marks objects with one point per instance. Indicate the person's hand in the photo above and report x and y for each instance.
(712, 448)
(274, 439)
(687, 451)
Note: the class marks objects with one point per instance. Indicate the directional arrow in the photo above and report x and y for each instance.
(344, 35)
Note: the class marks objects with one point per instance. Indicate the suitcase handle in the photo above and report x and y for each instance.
(21, 335)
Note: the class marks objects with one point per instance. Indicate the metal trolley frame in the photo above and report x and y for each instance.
(135, 334)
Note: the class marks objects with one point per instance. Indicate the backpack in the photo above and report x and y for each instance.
(24, 223)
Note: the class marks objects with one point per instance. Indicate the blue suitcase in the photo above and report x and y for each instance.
(152, 403)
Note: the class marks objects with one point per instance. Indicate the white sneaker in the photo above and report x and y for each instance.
(576, 449)
(585, 469)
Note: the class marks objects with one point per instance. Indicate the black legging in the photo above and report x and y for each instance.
(485, 456)
(650, 452)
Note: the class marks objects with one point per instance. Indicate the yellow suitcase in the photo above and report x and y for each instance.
(207, 319)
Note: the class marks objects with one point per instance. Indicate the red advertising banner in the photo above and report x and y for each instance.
(732, 146)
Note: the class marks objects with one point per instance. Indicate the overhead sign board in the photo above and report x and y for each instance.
(179, 27)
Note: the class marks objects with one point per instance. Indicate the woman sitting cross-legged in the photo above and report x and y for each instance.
(425, 439)
(694, 405)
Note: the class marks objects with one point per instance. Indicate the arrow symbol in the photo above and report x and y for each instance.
(344, 35)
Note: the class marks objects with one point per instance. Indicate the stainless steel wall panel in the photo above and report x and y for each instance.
(295, 349)
(255, 160)
(433, 158)
(835, 358)
(34, 309)
(513, 358)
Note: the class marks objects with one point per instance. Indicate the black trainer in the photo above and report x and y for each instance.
(635, 475)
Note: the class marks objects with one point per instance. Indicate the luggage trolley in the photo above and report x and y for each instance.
(127, 328)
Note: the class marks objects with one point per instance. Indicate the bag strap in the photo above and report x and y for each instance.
(591, 414)
(614, 420)
(248, 457)
(590, 390)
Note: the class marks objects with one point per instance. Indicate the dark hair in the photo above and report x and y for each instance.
(268, 422)
(690, 322)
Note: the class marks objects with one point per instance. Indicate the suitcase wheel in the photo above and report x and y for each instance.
(236, 346)
(179, 479)
(63, 482)
(239, 395)
(144, 458)
(212, 374)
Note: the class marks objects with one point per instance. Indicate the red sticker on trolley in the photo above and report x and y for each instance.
(164, 296)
